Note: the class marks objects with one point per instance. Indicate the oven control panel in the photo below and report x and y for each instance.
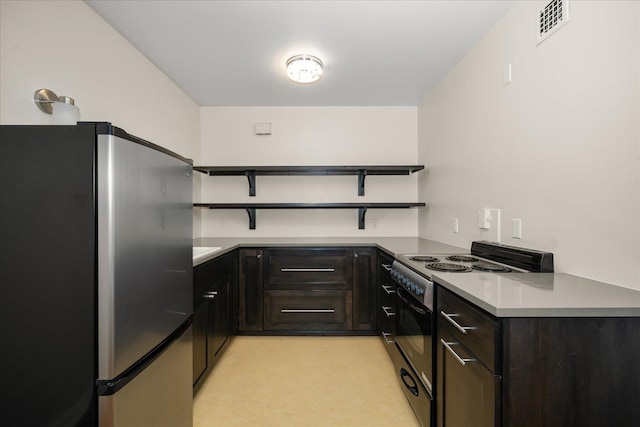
(419, 286)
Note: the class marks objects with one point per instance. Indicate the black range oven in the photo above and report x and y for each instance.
(414, 337)
(415, 321)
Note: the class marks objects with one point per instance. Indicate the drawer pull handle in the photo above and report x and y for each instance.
(210, 295)
(448, 345)
(388, 311)
(389, 289)
(449, 317)
(307, 270)
(386, 266)
(387, 340)
(309, 310)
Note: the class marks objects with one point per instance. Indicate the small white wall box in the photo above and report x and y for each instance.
(263, 128)
(484, 219)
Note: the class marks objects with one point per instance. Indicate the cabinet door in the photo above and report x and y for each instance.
(468, 394)
(210, 313)
(233, 294)
(199, 338)
(308, 268)
(365, 312)
(251, 290)
(298, 310)
(218, 325)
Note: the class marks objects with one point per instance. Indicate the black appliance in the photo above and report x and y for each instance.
(415, 321)
(96, 279)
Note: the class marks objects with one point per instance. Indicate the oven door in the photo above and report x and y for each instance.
(414, 335)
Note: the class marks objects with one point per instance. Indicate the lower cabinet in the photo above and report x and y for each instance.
(386, 289)
(365, 301)
(212, 313)
(327, 310)
(250, 290)
(468, 392)
(534, 371)
(308, 290)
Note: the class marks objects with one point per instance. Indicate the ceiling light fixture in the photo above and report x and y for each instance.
(304, 68)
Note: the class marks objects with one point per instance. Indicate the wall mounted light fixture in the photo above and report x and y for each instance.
(62, 108)
(304, 68)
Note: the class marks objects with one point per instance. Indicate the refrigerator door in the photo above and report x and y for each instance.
(47, 276)
(145, 289)
(161, 395)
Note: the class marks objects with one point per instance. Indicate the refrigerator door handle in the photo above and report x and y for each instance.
(109, 387)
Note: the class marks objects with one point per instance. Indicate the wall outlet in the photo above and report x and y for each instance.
(454, 225)
(374, 222)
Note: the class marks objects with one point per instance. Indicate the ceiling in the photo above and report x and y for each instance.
(233, 53)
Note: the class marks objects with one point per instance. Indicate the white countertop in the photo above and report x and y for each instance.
(392, 245)
(542, 295)
(502, 295)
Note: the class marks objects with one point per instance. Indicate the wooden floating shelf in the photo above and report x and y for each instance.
(362, 208)
(361, 171)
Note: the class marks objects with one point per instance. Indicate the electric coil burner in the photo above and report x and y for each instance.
(449, 267)
(462, 258)
(424, 258)
(494, 268)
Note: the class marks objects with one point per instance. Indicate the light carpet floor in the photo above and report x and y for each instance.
(303, 381)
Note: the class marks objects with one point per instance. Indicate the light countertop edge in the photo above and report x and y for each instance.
(501, 295)
(542, 295)
(391, 245)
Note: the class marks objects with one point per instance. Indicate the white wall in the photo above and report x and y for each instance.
(309, 136)
(68, 48)
(559, 147)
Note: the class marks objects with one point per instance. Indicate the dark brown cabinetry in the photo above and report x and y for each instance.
(212, 314)
(250, 290)
(468, 387)
(386, 303)
(365, 301)
(314, 310)
(535, 371)
(307, 290)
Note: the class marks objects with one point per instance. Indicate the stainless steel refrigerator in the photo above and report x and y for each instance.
(95, 279)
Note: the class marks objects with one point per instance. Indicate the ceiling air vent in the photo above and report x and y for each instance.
(551, 18)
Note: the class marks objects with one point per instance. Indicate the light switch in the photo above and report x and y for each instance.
(454, 225)
(506, 74)
(484, 218)
(516, 231)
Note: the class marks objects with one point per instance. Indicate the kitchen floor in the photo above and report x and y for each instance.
(303, 381)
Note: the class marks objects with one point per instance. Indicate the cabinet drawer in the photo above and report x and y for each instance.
(210, 275)
(309, 268)
(307, 310)
(384, 266)
(476, 330)
(387, 295)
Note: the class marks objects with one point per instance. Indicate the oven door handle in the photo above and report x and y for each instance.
(412, 388)
(413, 307)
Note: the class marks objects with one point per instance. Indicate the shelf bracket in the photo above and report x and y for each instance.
(251, 176)
(362, 173)
(252, 218)
(361, 214)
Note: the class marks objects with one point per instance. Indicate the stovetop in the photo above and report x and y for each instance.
(483, 256)
(490, 257)
(455, 263)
